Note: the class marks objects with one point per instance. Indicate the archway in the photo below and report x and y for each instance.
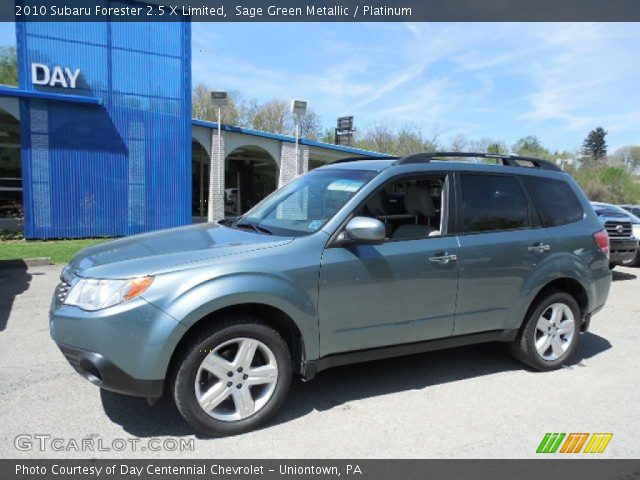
(200, 182)
(11, 203)
(251, 174)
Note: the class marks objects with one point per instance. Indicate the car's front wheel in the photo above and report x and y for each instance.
(550, 332)
(634, 262)
(233, 377)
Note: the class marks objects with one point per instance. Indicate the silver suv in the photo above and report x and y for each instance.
(355, 261)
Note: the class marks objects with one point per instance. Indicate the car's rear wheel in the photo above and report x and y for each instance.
(550, 333)
(232, 378)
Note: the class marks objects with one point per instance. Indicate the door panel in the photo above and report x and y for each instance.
(389, 294)
(499, 249)
(493, 269)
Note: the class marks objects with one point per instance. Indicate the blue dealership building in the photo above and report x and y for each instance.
(98, 139)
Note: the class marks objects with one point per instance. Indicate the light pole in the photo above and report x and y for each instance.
(298, 108)
(219, 99)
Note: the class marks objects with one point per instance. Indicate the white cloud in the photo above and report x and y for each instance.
(482, 79)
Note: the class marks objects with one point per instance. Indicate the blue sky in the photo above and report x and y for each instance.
(503, 81)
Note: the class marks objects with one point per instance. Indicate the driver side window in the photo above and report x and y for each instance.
(410, 208)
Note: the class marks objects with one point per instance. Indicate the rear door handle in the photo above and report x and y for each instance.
(443, 259)
(539, 247)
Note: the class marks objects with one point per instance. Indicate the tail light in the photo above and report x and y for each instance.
(602, 239)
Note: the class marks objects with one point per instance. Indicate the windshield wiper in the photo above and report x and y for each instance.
(254, 227)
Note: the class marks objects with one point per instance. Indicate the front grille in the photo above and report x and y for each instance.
(618, 229)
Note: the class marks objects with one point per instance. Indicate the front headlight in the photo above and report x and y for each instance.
(94, 294)
(636, 230)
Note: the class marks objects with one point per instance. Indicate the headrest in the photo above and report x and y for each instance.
(417, 200)
(379, 204)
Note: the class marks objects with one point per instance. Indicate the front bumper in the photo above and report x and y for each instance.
(125, 348)
(622, 250)
(105, 374)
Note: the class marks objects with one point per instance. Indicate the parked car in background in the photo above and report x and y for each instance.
(623, 228)
(635, 209)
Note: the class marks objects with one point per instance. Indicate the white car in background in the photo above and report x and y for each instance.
(231, 199)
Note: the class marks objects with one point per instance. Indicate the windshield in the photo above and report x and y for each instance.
(306, 204)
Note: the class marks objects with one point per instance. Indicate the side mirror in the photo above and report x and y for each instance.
(365, 230)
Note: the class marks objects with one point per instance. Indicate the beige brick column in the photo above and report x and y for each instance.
(290, 166)
(216, 187)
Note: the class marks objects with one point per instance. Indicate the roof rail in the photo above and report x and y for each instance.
(507, 160)
(355, 159)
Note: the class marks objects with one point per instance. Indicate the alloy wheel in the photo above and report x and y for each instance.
(236, 379)
(554, 331)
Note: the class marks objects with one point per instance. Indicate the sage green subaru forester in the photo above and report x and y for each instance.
(359, 260)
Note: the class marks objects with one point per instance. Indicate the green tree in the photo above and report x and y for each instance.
(530, 146)
(409, 139)
(202, 107)
(275, 116)
(487, 145)
(271, 116)
(497, 148)
(8, 66)
(627, 157)
(594, 148)
(328, 136)
(608, 184)
(310, 125)
(378, 137)
(459, 143)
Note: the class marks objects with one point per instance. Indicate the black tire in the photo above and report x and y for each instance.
(188, 362)
(635, 262)
(523, 347)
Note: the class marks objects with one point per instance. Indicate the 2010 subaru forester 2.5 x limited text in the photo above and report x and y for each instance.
(354, 261)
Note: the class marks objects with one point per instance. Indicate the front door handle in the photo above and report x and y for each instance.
(443, 259)
(539, 247)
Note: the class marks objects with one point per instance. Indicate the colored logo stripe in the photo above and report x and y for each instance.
(598, 442)
(574, 442)
(550, 443)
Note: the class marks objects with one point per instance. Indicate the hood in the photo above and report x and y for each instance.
(605, 216)
(167, 250)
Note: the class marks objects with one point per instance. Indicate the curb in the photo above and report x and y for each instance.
(26, 262)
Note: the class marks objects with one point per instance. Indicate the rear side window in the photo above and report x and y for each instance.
(556, 202)
(492, 202)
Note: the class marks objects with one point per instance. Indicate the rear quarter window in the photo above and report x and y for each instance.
(555, 201)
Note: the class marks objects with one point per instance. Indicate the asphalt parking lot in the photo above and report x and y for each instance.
(470, 402)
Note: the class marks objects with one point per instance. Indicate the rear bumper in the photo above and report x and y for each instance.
(103, 373)
(622, 250)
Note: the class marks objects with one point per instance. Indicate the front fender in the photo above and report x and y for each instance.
(554, 267)
(195, 298)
